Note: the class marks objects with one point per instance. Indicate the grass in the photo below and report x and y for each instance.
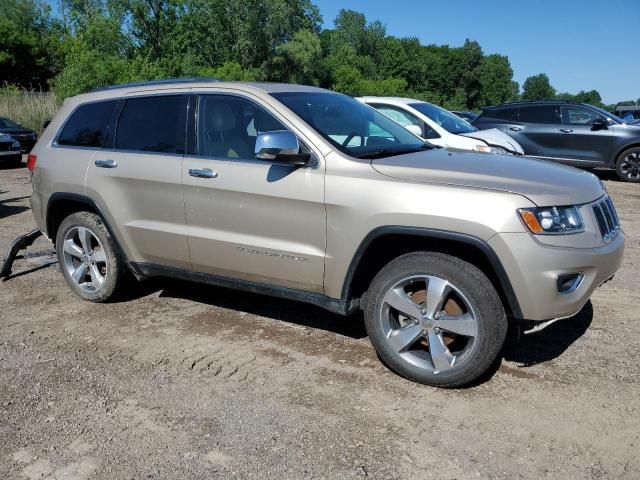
(29, 108)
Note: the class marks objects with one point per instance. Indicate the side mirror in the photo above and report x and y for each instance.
(280, 146)
(415, 129)
(599, 124)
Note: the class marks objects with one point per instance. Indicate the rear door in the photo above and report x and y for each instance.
(136, 179)
(251, 219)
(535, 129)
(579, 141)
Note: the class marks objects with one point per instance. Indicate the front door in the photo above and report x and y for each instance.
(580, 140)
(251, 219)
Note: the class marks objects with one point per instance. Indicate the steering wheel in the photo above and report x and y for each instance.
(349, 138)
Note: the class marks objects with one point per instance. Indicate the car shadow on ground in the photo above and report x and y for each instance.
(539, 347)
(6, 209)
(262, 305)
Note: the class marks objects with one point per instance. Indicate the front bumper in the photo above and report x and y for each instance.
(533, 269)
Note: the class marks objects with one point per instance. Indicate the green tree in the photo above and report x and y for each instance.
(299, 60)
(496, 80)
(538, 87)
(30, 44)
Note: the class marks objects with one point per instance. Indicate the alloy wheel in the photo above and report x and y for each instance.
(429, 322)
(84, 259)
(630, 165)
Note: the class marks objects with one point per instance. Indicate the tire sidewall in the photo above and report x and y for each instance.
(473, 284)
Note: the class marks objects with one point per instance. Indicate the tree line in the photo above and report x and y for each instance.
(85, 44)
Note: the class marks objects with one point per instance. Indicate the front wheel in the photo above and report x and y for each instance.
(435, 319)
(628, 165)
(89, 257)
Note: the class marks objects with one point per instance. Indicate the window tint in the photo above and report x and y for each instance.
(88, 125)
(228, 126)
(539, 114)
(510, 113)
(153, 124)
(578, 116)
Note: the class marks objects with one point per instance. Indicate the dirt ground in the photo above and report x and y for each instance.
(189, 381)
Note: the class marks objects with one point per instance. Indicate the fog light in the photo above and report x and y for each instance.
(568, 282)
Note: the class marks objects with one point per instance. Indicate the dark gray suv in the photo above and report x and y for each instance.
(577, 134)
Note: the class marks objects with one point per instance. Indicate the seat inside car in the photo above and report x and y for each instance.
(221, 132)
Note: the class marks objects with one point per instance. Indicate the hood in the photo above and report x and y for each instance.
(544, 183)
(496, 138)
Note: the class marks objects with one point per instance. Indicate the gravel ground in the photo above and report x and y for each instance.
(187, 381)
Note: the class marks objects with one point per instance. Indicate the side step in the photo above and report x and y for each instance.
(18, 244)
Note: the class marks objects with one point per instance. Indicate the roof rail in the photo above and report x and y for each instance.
(525, 102)
(166, 81)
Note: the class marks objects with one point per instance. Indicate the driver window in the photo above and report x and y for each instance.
(227, 126)
(578, 116)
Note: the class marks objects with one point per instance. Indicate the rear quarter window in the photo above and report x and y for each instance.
(88, 125)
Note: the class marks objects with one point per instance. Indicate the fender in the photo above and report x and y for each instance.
(476, 242)
(79, 199)
(634, 142)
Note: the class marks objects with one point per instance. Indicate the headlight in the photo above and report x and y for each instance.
(15, 145)
(488, 149)
(552, 220)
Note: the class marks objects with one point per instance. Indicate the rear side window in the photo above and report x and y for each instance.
(539, 114)
(88, 125)
(153, 124)
(503, 114)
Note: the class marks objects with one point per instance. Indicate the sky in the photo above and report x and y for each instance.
(579, 44)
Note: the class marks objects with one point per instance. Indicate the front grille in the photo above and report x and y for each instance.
(607, 219)
(5, 146)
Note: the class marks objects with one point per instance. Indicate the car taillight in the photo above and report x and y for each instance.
(31, 161)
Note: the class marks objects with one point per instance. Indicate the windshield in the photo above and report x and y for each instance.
(447, 120)
(609, 115)
(6, 123)
(352, 127)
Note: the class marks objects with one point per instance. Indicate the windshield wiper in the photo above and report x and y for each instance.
(389, 152)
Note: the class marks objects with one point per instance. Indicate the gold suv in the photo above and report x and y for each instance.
(308, 194)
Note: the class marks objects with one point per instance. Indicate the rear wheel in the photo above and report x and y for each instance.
(628, 165)
(435, 319)
(89, 258)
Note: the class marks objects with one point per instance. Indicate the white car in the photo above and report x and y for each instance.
(441, 127)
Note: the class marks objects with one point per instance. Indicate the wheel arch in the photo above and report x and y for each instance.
(635, 143)
(62, 204)
(383, 244)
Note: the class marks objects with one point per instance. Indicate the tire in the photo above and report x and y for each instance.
(628, 165)
(94, 269)
(469, 299)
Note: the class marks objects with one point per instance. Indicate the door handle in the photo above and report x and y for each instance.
(566, 130)
(106, 163)
(202, 173)
(515, 129)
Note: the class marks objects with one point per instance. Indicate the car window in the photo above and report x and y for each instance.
(88, 125)
(510, 113)
(539, 114)
(6, 123)
(578, 116)
(228, 126)
(397, 115)
(153, 124)
(447, 120)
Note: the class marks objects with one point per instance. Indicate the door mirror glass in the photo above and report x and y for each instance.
(280, 146)
(415, 129)
(599, 124)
